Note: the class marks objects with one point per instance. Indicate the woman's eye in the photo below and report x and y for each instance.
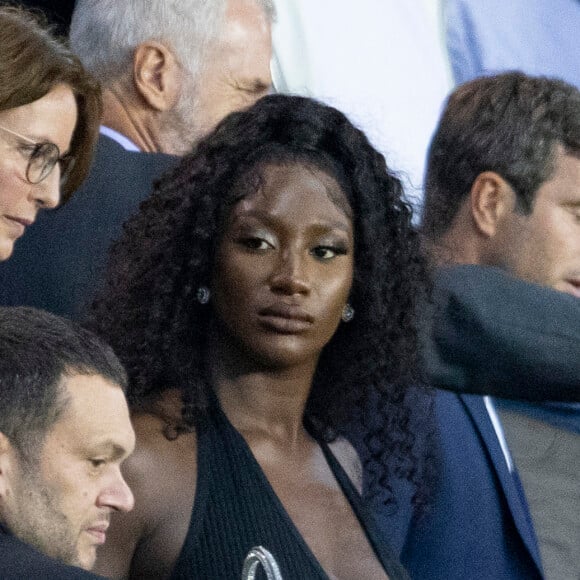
(27, 150)
(327, 252)
(256, 243)
(97, 462)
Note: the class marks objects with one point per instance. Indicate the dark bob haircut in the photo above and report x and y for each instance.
(34, 62)
(148, 311)
(38, 351)
(509, 123)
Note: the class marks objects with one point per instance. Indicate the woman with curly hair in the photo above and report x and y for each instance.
(264, 299)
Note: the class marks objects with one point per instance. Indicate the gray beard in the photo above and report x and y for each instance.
(182, 129)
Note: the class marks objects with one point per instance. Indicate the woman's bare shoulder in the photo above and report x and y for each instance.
(163, 457)
(162, 474)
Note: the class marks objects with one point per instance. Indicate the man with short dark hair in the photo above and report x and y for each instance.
(503, 189)
(64, 432)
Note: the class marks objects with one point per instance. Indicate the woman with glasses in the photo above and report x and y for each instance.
(49, 116)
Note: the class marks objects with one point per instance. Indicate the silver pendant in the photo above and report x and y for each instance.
(256, 556)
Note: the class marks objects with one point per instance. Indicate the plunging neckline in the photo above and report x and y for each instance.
(346, 487)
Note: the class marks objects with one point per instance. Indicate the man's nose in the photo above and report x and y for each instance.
(117, 495)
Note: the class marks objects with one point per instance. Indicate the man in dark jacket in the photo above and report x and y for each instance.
(503, 189)
(64, 432)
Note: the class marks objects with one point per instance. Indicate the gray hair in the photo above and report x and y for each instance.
(105, 33)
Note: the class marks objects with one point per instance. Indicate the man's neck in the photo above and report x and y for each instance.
(460, 244)
(123, 116)
(444, 253)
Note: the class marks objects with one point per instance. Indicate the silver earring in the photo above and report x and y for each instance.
(347, 313)
(203, 294)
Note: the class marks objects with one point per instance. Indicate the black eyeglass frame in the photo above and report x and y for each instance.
(48, 154)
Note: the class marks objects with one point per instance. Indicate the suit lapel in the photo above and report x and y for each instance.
(476, 409)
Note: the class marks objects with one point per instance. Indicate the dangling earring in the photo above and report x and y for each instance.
(203, 294)
(347, 313)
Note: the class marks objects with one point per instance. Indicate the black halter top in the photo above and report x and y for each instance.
(236, 509)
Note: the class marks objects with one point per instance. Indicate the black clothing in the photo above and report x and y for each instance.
(236, 510)
(59, 263)
(19, 561)
(497, 335)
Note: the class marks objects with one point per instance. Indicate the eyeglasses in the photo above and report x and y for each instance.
(42, 157)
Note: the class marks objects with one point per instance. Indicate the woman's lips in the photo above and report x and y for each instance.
(285, 318)
(18, 225)
(24, 221)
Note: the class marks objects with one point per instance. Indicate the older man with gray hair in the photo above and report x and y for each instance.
(170, 71)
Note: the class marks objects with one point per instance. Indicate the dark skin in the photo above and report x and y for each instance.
(283, 275)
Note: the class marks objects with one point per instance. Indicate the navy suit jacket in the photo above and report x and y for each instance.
(479, 525)
(59, 263)
(20, 561)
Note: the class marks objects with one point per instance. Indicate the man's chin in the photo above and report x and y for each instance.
(87, 560)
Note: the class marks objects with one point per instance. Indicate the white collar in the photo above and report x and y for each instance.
(121, 139)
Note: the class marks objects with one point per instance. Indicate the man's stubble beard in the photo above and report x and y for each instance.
(182, 126)
(39, 522)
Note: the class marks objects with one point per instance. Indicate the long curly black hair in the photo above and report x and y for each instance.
(148, 310)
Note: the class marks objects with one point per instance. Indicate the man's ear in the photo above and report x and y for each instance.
(157, 75)
(491, 198)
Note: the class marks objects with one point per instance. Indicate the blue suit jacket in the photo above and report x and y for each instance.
(479, 526)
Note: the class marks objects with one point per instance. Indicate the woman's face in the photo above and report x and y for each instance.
(50, 119)
(284, 267)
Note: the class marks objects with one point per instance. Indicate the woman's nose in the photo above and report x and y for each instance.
(290, 275)
(47, 192)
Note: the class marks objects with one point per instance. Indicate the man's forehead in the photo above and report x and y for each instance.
(563, 185)
(96, 412)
